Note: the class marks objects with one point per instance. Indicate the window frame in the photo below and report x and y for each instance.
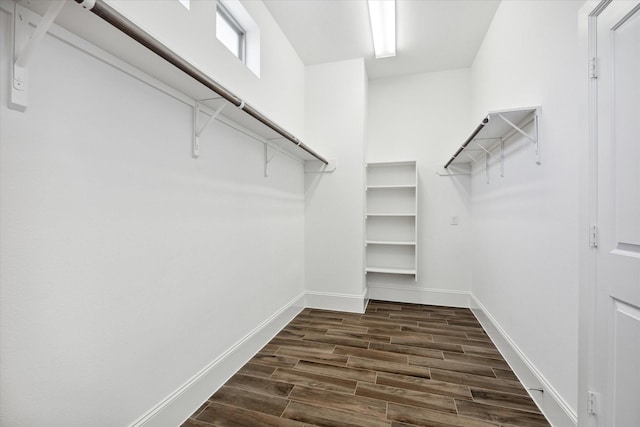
(233, 23)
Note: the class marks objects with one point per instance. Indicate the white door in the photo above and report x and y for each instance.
(617, 322)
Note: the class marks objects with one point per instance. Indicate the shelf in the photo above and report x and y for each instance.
(391, 176)
(390, 270)
(391, 246)
(386, 164)
(391, 229)
(376, 187)
(389, 214)
(95, 36)
(493, 131)
(390, 243)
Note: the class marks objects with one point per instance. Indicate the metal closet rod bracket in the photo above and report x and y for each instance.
(23, 48)
(199, 130)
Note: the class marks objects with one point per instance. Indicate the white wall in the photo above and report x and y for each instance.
(525, 258)
(127, 266)
(192, 35)
(425, 117)
(87, 208)
(335, 124)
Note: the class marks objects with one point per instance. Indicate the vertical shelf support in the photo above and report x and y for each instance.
(487, 155)
(534, 140)
(526, 135)
(535, 123)
(199, 130)
(472, 158)
(487, 151)
(486, 167)
(267, 159)
(23, 48)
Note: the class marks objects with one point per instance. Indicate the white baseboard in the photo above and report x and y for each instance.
(174, 409)
(180, 404)
(337, 302)
(552, 405)
(417, 295)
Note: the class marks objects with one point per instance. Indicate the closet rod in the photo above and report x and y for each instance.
(464, 145)
(107, 13)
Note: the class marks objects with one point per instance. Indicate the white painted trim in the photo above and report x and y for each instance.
(337, 302)
(416, 295)
(366, 298)
(180, 404)
(588, 16)
(553, 406)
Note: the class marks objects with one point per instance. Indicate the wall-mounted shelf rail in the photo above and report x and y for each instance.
(488, 138)
(107, 13)
(390, 270)
(119, 42)
(389, 242)
(23, 48)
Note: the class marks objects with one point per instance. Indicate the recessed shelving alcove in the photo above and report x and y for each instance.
(391, 218)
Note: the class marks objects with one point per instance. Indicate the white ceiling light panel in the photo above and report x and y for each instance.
(382, 14)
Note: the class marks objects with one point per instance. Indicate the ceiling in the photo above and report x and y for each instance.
(431, 35)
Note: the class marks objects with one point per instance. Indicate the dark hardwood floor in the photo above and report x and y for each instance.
(397, 365)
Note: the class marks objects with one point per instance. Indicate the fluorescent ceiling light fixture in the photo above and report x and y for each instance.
(382, 14)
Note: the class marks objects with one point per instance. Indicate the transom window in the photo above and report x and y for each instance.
(230, 32)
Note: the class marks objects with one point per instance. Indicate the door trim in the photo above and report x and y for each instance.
(588, 217)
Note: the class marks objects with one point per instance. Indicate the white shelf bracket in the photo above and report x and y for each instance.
(492, 135)
(486, 166)
(471, 157)
(199, 130)
(23, 48)
(487, 155)
(535, 124)
(502, 159)
(267, 159)
(454, 170)
(534, 140)
(317, 167)
(487, 151)
(510, 123)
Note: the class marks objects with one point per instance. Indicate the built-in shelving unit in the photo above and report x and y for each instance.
(488, 139)
(391, 219)
(383, 242)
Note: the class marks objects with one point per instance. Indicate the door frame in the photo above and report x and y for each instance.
(589, 217)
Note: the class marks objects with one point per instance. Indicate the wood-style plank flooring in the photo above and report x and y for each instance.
(397, 365)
